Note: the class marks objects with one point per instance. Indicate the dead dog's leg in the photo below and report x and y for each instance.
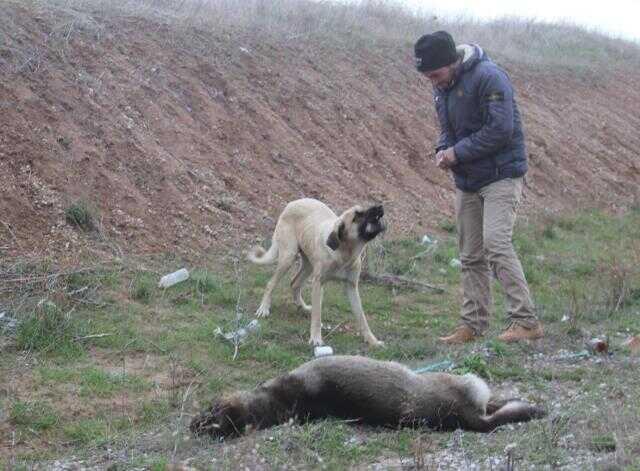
(511, 412)
(494, 404)
(298, 282)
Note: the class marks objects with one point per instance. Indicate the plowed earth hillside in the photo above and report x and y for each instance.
(188, 140)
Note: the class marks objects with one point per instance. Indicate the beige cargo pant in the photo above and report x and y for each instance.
(485, 222)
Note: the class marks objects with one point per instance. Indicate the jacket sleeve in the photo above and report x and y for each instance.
(496, 101)
(446, 138)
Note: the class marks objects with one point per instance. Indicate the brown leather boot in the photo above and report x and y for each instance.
(462, 334)
(515, 333)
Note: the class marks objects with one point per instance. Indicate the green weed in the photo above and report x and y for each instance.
(80, 215)
(33, 415)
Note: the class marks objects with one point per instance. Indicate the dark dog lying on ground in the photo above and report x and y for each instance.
(371, 391)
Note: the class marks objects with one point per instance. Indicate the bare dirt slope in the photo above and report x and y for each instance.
(185, 140)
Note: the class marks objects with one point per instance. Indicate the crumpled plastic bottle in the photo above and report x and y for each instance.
(241, 333)
(173, 278)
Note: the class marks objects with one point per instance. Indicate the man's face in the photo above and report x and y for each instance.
(441, 77)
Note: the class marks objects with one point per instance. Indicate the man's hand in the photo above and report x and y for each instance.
(446, 158)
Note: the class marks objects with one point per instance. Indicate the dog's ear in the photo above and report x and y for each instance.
(336, 236)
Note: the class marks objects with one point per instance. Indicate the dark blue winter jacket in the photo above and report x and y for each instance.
(478, 115)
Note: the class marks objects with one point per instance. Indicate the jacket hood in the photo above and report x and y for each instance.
(471, 54)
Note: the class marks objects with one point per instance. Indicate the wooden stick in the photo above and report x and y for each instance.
(94, 336)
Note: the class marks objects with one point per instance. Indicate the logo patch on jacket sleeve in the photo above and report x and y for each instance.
(495, 96)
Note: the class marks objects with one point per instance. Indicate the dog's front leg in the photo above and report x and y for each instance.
(316, 310)
(351, 287)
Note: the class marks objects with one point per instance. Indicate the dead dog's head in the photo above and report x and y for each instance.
(226, 417)
(357, 224)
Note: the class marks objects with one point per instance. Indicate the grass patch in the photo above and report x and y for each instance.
(49, 329)
(474, 364)
(96, 382)
(86, 432)
(33, 415)
(603, 443)
(174, 363)
(143, 288)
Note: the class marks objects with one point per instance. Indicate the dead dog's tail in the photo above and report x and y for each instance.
(263, 257)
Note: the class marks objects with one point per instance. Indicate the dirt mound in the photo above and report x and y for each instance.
(185, 140)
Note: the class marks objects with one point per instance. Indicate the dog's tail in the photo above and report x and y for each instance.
(263, 257)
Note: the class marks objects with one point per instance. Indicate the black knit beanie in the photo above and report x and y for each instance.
(435, 50)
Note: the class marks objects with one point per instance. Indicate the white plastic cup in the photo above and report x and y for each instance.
(322, 351)
(173, 278)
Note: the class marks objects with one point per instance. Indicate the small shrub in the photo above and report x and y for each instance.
(79, 215)
(549, 232)
(142, 289)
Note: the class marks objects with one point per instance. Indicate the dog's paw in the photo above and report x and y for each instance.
(316, 341)
(263, 311)
(375, 343)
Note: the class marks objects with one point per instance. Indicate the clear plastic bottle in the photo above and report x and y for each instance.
(173, 278)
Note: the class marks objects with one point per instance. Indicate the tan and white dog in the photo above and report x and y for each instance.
(330, 248)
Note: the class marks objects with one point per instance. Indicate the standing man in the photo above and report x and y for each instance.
(482, 143)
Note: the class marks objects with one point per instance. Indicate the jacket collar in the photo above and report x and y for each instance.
(470, 54)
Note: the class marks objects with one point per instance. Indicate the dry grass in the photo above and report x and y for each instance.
(365, 24)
